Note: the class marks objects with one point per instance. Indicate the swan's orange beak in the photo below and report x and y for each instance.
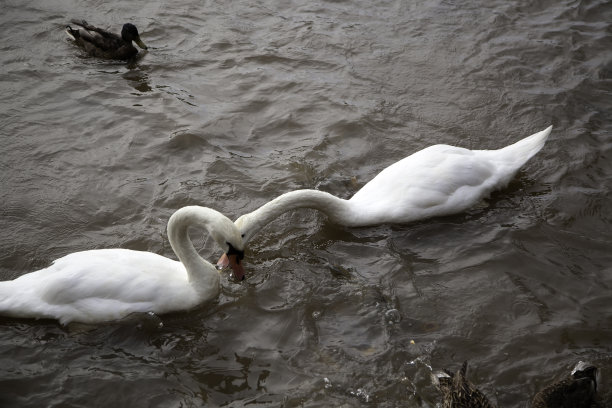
(233, 262)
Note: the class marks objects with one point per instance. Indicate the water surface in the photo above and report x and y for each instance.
(238, 102)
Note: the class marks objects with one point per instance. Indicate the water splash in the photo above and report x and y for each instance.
(393, 316)
(362, 394)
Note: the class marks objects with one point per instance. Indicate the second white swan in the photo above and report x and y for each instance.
(438, 180)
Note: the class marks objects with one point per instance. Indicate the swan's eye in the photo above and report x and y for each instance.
(242, 235)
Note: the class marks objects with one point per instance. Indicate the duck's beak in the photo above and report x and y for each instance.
(140, 43)
(233, 262)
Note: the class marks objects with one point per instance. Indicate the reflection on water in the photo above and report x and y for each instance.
(137, 79)
(236, 103)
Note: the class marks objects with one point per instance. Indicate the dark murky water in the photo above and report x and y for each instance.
(237, 102)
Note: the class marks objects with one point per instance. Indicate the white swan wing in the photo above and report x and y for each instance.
(437, 180)
(112, 273)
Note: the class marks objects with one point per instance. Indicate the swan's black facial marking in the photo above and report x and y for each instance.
(234, 251)
(233, 257)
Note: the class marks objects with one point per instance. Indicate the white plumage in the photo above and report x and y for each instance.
(109, 284)
(438, 180)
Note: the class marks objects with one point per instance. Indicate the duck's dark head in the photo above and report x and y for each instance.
(129, 33)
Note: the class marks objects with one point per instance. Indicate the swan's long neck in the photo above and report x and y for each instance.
(337, 209)
(201, 273)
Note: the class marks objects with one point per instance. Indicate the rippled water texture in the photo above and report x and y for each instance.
(239, 101)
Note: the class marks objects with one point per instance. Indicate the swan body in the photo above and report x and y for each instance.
(108, 284)
(438, 180)
(104, 44)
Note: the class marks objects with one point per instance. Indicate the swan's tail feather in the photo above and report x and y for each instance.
(523, 150)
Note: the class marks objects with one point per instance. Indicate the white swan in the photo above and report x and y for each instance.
(108, 284)
(438, 180)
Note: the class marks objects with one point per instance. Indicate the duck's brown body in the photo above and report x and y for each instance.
(104, 44)
(458, 392)
(576, 391)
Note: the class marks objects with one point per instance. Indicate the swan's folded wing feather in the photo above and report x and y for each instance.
(435, 181)
(129, 276)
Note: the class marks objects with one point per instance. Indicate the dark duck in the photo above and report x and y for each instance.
(458, 392)
(578, 390)
(104, 44)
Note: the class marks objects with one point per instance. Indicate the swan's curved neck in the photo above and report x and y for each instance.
(337, 209)
(201, 273)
